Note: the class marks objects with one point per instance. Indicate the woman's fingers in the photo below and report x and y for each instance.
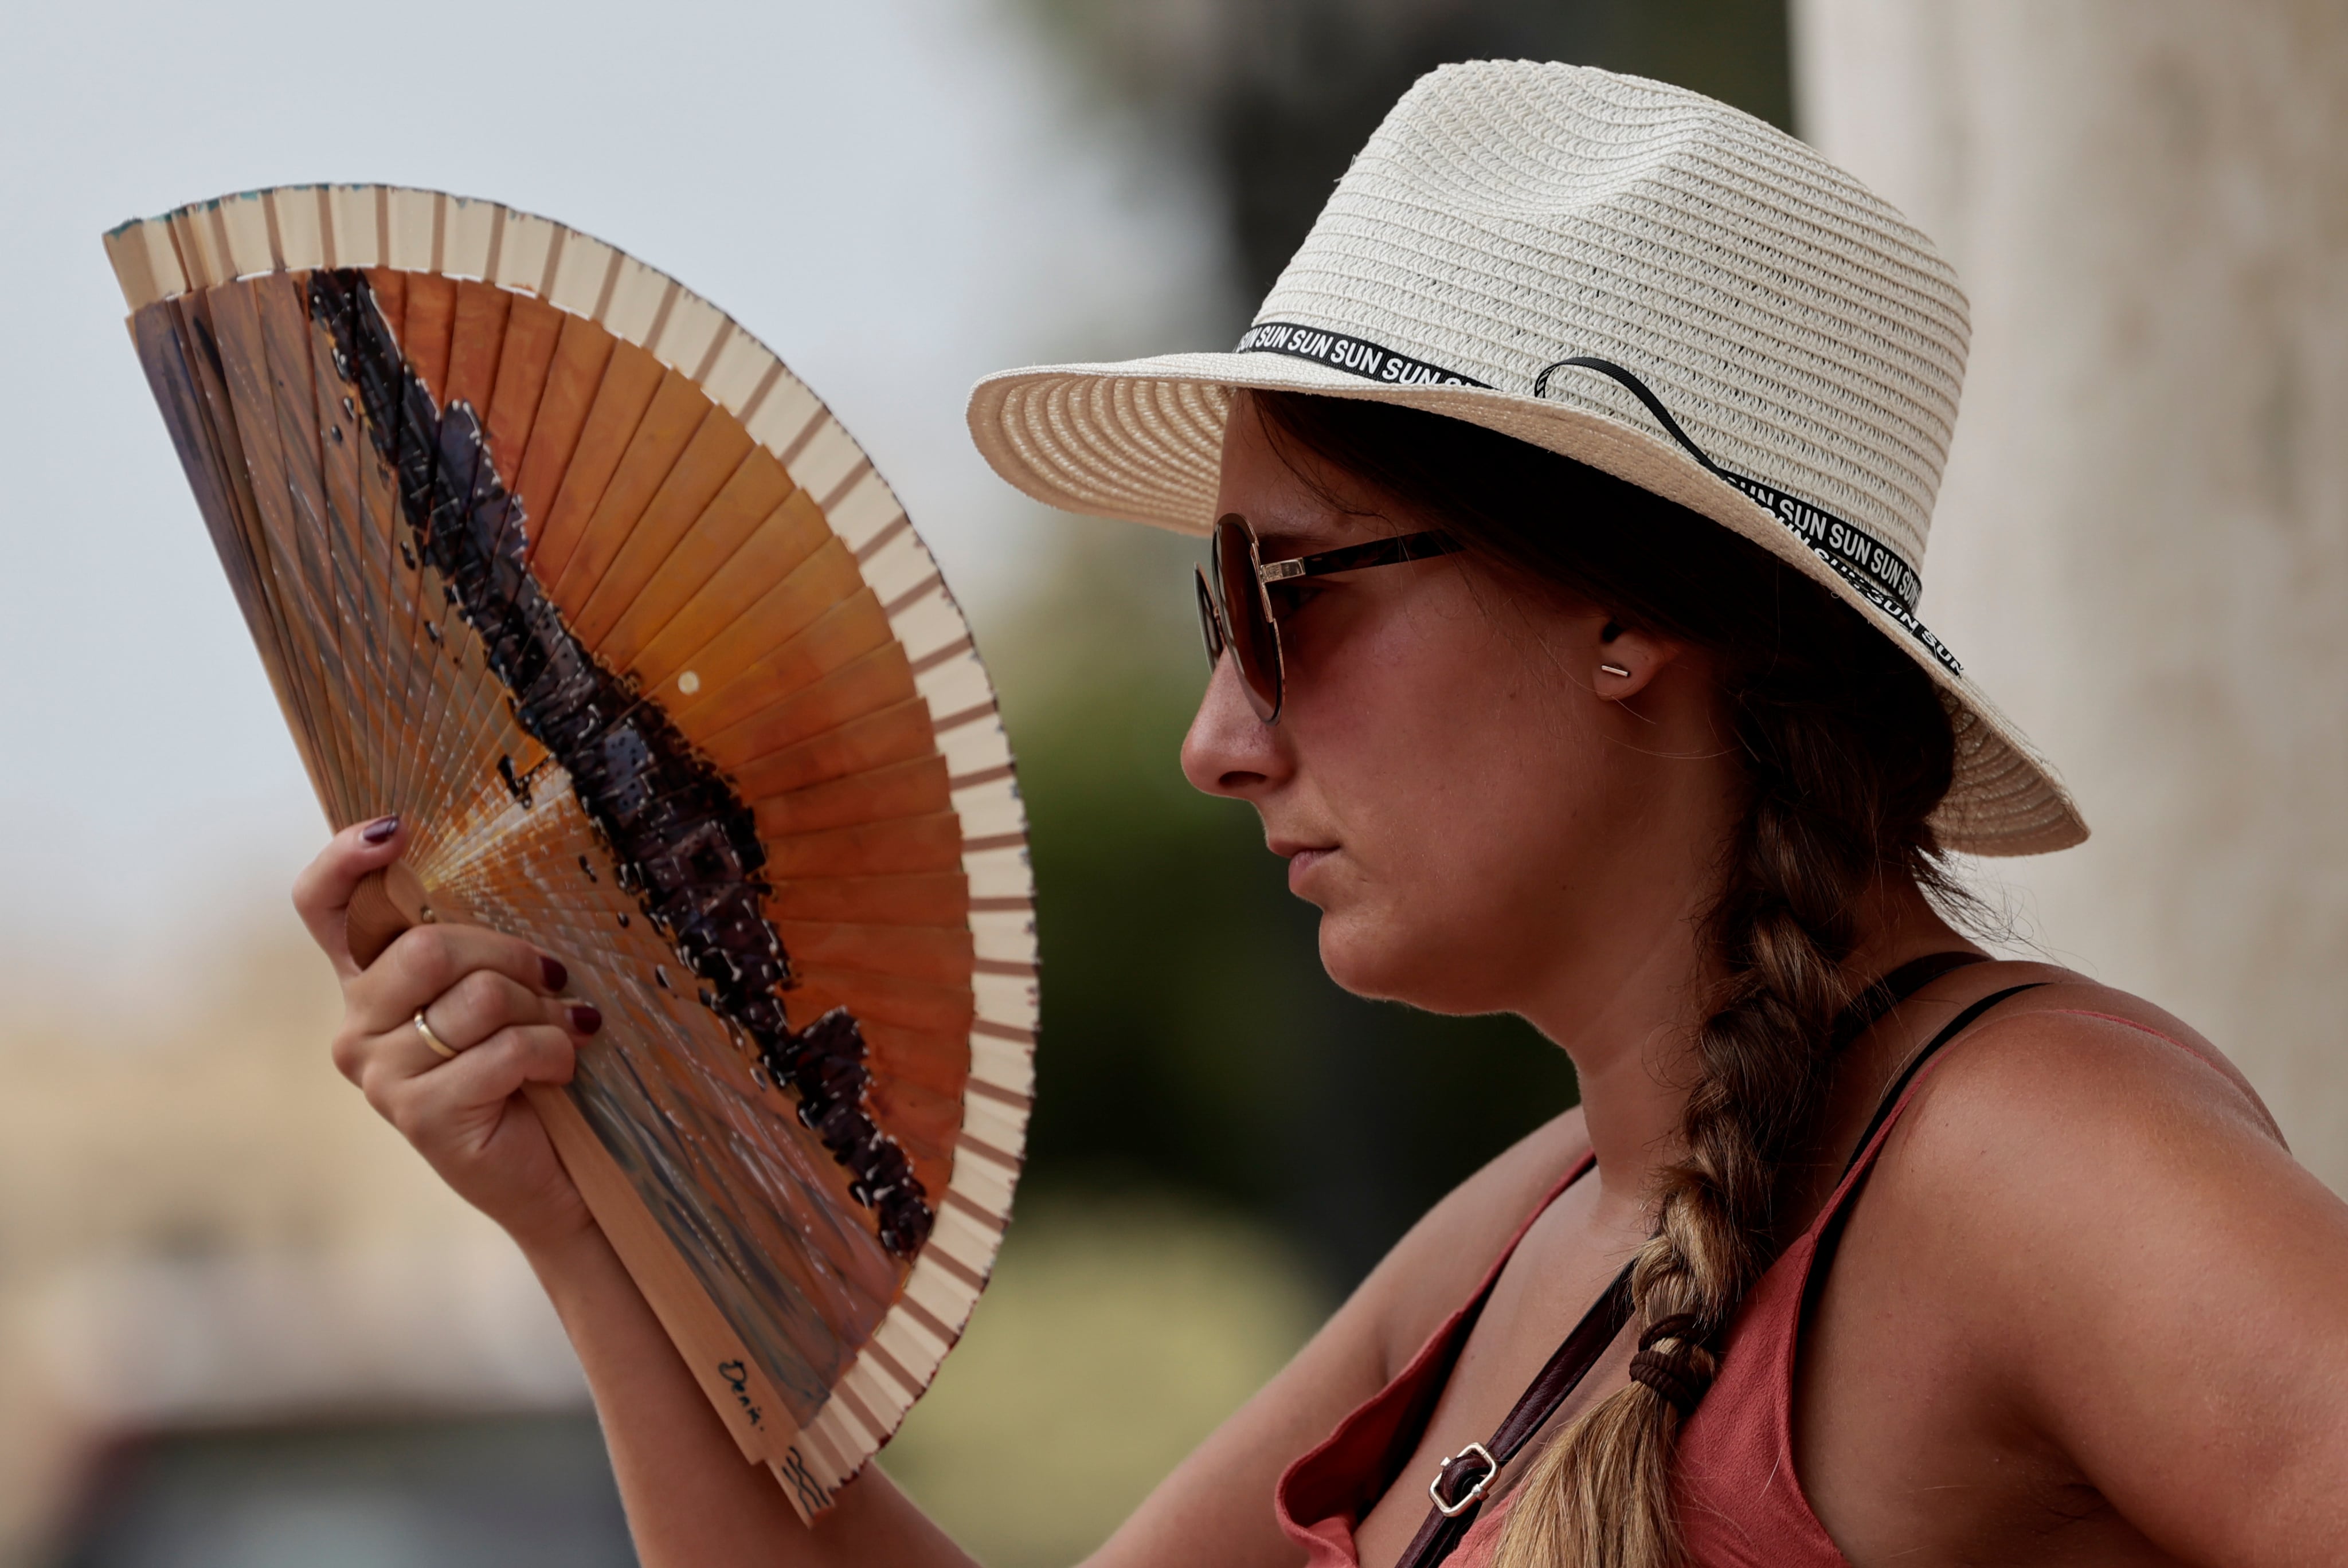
(495, 1005)
(482, 1003)
(495, 1010)
(523, 1054)
(451, 1110)
(475, 1010)
(323, 892)
(425, 963)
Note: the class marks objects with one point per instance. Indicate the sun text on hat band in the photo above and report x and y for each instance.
(1867, 562)
(1850, 547)
(1340, 351)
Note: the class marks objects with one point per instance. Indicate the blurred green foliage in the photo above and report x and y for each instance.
(1116, 1336)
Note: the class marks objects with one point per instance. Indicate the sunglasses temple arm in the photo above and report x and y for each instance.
(1355, 558)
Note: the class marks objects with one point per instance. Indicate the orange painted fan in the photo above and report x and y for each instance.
(548, 555)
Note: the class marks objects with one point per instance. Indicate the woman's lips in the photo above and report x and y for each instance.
(1304, 860)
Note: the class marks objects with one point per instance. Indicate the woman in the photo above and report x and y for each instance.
(1570, 489)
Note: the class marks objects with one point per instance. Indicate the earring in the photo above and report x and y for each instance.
(1615, 669)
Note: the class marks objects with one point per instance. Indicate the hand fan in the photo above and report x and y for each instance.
(549, 556)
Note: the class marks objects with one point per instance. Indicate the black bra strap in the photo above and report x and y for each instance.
(1956, 1026)
(1868, 1007)
(1830, 1240)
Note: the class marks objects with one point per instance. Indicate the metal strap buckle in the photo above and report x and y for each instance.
(1483, 1482)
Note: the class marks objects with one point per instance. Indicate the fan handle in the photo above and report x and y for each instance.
(385, 904)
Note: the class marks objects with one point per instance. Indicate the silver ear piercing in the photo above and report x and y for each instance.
(1613, 670)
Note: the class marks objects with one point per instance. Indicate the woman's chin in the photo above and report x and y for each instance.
(1356, 959)
(1383, 961)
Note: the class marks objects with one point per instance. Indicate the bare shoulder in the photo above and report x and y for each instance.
(1440, 1260)
(2063, 1097)
(2073, 1064)
(2089, 1224)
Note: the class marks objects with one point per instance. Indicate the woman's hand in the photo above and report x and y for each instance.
(492, 999)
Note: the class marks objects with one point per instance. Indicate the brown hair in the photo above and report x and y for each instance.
(1846, 749)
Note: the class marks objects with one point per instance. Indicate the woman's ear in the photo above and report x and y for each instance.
(1624, 660)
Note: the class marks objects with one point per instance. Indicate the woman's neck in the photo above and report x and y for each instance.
(1630, 1030)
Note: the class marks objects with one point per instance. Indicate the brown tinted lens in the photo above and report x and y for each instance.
(1255, 642)
(1210, 626)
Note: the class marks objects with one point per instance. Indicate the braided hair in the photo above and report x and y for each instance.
(1846, 750)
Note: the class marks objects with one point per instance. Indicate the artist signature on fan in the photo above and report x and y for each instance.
(793, 1471)
(737, 1378)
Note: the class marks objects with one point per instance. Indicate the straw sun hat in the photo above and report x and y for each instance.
(1627, 273)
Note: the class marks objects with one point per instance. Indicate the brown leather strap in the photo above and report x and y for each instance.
(1557, 1379)
(1459, 1487)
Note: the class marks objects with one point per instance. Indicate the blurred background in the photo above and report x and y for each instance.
(239, 1325)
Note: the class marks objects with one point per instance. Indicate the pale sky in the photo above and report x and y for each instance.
(897, 197)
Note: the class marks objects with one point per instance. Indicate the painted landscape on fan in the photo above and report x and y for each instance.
(552, 578)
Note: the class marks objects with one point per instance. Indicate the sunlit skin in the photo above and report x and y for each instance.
(2089, 1312)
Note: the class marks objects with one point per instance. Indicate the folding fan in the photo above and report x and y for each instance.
(549, 556)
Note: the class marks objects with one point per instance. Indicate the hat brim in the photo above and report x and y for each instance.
(1141, 440)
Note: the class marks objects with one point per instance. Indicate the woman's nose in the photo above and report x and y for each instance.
(1229, 750)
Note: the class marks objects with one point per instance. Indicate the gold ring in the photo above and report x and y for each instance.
(446, 1052)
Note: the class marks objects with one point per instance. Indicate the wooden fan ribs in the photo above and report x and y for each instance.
(533, 331)
(878, 679)
(631, 379)
(667, 451)
(613, 568)
(363, 511)
(897, 732)
(839, 634)
(295, 552)
(882, 1171)
(447, 690)
(495, 367)
(749, 506)
(475, 339)
(729, 573)
(573, 377)
(683, 1114)
(425, 328)
(184, 369)
(787, 538)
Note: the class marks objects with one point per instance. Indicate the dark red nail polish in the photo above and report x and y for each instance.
(552, 971)
(380, 830)
(585, 1020)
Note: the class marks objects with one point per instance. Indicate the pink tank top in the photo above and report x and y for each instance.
(1741, 1504)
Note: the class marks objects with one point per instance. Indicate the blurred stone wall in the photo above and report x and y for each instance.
(2142, 547)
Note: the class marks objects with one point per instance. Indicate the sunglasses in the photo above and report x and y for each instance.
(1236, 610)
